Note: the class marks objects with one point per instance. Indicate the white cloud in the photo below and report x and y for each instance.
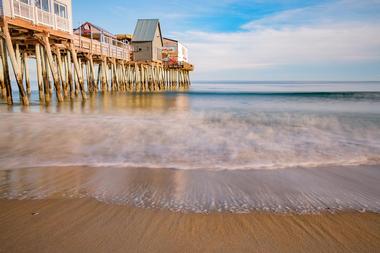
(268, 47)
(317, 35)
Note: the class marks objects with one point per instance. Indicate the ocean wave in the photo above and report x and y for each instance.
(212, 140)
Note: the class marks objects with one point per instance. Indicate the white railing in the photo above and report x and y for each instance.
(22, 10)
(38, 16)
(62, 23)
(44, 18)
(115, 49)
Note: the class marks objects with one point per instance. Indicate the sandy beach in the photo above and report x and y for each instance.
(196, 172)
(83, 225)
(82, 209)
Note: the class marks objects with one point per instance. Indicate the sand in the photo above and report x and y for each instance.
(110, 209)
(84, 225)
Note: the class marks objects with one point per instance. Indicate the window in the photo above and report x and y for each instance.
(60, 10)
(25, 1)
(43, 4)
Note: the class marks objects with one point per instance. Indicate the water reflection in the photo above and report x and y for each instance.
(110, 102)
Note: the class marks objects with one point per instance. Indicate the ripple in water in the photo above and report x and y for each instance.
(292, 190)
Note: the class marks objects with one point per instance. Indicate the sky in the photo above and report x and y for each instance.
(336, 40)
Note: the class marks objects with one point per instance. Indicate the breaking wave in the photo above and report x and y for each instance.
(213, 140)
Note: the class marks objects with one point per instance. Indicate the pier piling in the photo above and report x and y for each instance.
(40, 80)
(16, 64)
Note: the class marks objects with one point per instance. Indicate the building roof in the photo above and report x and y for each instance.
(145, 30)
(165, 38)
(88, 27)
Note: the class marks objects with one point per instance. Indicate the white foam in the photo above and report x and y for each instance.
(189, 140)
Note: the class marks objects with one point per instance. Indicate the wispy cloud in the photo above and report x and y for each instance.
(342, 32)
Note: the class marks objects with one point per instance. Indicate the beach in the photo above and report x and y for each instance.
(83, 225)
(148, 210)
(197, 126)
(261, 169)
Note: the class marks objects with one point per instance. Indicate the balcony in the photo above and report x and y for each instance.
(112, 48)
(38, 16)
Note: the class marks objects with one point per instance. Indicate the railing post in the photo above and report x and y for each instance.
(54, 20)
(35, 14)
(12, 9)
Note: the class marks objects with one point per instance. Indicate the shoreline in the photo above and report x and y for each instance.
(298, 190)
(73, 225)
(104, 209)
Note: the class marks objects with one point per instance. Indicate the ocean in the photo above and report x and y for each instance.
(218, 141)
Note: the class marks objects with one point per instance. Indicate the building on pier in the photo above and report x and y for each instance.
(174, 52)
(95, 32)
(93, 39)
(147, 40)
(69, 64)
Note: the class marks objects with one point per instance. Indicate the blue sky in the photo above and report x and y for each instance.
(258, 39)
(221, 16)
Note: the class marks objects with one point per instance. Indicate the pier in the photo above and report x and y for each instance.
(71, 64)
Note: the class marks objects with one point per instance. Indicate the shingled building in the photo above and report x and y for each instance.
(147, 40)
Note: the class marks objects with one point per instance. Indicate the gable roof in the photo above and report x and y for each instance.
(93, 28)
(146, 29)
(165, 38)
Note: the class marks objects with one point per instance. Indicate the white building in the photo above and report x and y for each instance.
(55, 14)
(174, 52)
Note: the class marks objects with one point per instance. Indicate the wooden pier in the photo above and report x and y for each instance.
(70, 65)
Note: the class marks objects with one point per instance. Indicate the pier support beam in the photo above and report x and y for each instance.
(78, 71)
(129, 78)
(61, 73)
(26, 70)
(39, 72)
(3, 91)
(45, 74)
(53, 68)
(115, 80)
(16, 66)
(70, 74)
(93, 85)
(98, 82)
(6, 77)
(103, 74)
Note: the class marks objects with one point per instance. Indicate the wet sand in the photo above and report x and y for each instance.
(83, 225)
(111, 209)
(299, 190)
